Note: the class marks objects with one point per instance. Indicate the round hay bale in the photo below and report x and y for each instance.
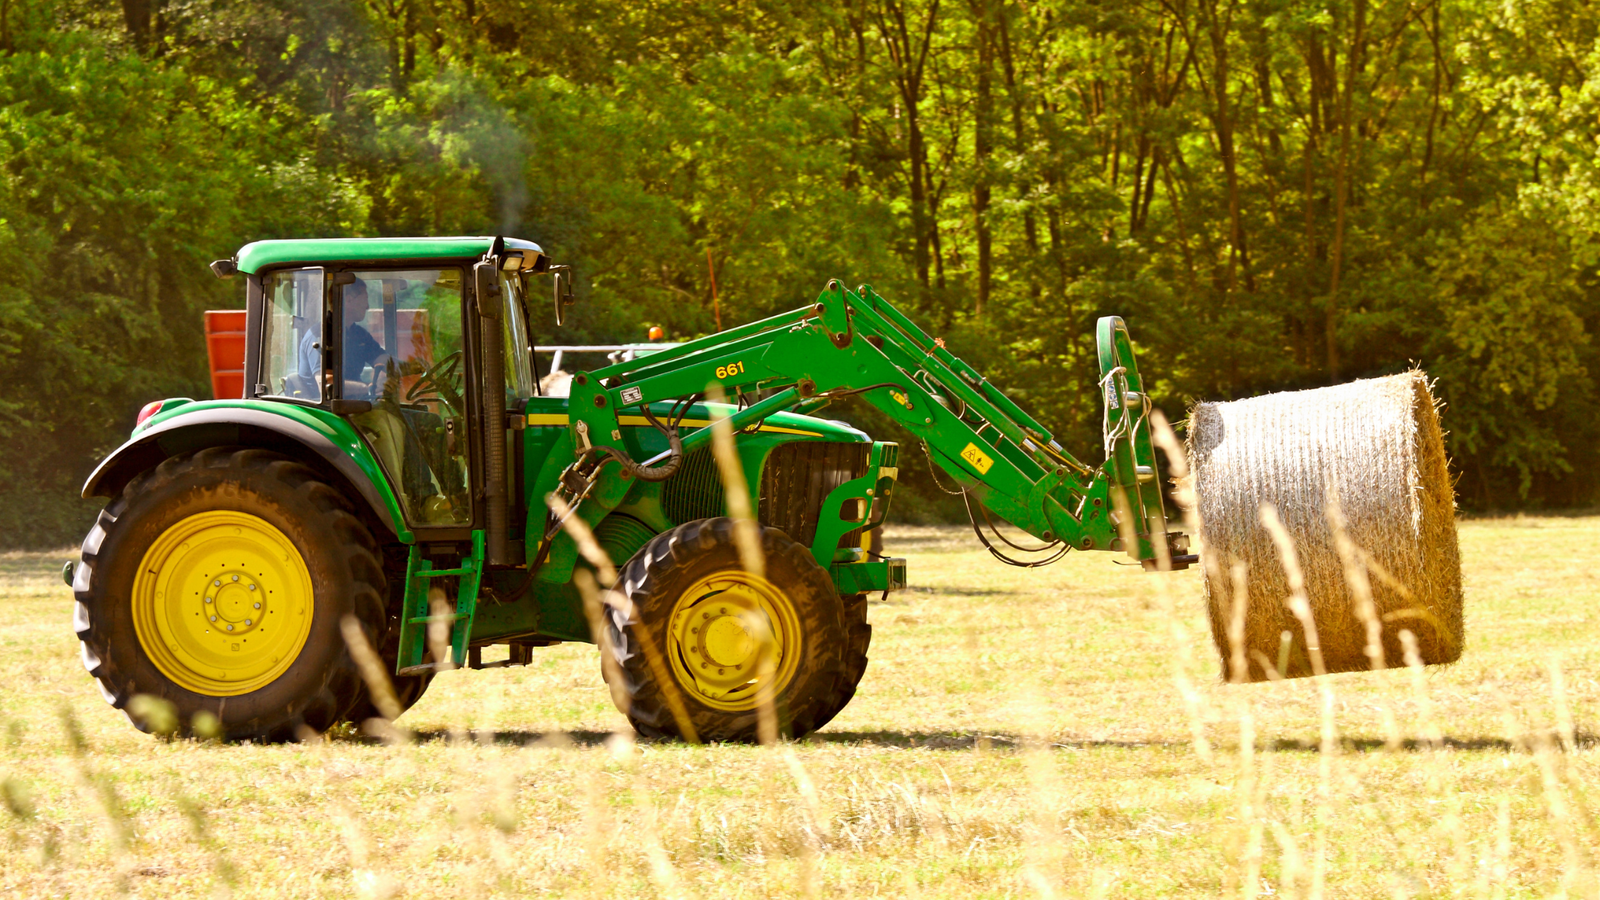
(1370, 450)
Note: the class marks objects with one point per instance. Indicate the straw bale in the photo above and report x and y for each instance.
(1373, 450)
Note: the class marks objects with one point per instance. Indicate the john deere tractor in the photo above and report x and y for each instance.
(391, 464)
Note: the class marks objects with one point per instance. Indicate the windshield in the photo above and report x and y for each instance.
(403, 350)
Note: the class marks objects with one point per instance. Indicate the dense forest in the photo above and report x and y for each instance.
(1274, 193)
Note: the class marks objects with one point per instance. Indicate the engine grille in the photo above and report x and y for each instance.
(799, 475)
(695, 490)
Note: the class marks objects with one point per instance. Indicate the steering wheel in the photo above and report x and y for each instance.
(441, 380)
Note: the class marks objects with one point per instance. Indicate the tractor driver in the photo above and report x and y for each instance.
(360, 348)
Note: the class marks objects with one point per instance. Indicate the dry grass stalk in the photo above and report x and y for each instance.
(1558, 697)
(595, 609)
(441, 620)
(1194, 703)
(1238, 663)
(1437, 769)
(372, 668)
(1428, 723)
(1500, 869)
(1247, 791)
(746, 531)
(747, 537)
(1538, 742)
(596, 828)
(1378, 441)
(1356, 576)
(1300, 605)
(583, 537)
(662, 874)
(1292, 865)
(1122, 515)
(365, 877)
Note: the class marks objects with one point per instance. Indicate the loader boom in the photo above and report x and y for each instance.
(858, 344)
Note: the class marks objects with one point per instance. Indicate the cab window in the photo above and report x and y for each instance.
(291, 358)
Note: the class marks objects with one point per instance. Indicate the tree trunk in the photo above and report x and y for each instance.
(909, 53)
(982, 148)
(136, 16)
(1019, 137)
(1353, 61)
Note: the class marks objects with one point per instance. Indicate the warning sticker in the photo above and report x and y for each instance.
(979, 459)
(631, 395)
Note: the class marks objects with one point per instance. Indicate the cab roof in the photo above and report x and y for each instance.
(259, 255)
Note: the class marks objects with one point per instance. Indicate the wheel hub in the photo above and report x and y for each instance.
(234, 603)
(729, 631)
(222, 603)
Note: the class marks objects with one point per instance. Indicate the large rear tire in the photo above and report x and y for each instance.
(217, 582)
(704, 615)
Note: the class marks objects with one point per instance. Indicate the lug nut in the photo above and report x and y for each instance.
(252, 587)
(213, 618)
(235, 578)
(230, 627)
(208, 599)
(248, 622)
(256, 605)
(216, 583)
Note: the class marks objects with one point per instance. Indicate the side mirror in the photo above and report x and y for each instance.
(563, 291)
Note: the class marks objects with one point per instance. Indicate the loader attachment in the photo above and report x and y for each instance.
(1130, 468)
(856, 343)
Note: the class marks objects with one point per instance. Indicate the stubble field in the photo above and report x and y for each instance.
(1057, 732)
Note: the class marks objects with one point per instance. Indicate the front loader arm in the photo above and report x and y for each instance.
(859, 344)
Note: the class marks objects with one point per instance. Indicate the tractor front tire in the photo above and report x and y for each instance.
(218, 582)
(855, 657)
(728, 642)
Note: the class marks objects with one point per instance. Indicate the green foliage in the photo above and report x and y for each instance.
(1275, 195)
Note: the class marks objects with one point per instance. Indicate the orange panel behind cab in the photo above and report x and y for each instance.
(225, 347)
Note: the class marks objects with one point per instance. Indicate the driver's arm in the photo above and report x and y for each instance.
(360, 351)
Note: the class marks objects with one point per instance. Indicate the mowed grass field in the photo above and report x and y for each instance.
(1059, 732)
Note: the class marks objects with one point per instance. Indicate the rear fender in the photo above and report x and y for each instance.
(313, 435)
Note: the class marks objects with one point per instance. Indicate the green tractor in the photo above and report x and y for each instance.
(392, 466)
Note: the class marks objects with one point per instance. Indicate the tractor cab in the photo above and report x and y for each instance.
(392, 342)
(397, 364)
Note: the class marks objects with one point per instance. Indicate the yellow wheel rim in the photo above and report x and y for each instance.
(727, 632)
(222, 603)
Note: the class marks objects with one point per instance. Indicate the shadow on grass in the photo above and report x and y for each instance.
(958, 591)
(951, 741)
(1584, 740)
(509, 738)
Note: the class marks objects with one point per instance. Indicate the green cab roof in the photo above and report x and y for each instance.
(259, 255)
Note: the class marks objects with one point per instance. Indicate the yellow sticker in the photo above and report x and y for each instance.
(979, 459)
